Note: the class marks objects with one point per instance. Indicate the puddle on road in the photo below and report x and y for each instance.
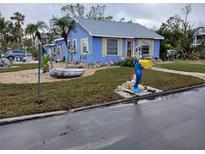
(171, 96)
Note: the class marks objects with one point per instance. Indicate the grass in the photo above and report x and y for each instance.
(19, 68)
(18, 99)
(184, 66)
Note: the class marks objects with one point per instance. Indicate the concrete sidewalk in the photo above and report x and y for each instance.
(194, 74)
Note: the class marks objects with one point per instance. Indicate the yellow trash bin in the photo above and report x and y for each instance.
(146, 63)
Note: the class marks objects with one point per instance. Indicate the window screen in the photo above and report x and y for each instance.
(112, 47)
(145, 49)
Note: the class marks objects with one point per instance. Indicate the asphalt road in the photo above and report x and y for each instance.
(171, 122)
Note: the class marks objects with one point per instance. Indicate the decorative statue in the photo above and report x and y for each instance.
(138, 70)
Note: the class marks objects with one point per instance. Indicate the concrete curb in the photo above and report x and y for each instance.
(30, 117)
(135, 99)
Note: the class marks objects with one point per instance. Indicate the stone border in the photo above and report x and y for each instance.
(123, 101)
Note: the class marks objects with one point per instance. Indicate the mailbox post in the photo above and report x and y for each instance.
(38, 99)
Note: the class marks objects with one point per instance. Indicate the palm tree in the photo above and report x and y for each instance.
(3, 25)
(19, 18)
(62, 25)
(6, 31)
(32, 29)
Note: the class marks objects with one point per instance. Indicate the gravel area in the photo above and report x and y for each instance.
(31, 76)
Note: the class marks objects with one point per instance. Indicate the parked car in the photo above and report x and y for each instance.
(18, 54)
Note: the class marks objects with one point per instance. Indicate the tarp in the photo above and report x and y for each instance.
(60, 43)
(60, 49)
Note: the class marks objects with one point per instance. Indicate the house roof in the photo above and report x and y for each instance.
(116, 29)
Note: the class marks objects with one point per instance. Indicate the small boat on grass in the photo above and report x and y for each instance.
(66, 72)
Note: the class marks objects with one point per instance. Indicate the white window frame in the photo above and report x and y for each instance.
(68, 42)
(117, 46)
(76, 44)
(81, 44)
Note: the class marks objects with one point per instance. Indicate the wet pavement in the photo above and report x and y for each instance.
(175, 121)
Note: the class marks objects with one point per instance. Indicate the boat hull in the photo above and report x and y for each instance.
(66, 73)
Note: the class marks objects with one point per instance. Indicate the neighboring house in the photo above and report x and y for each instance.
(104, 41)
(199, 39)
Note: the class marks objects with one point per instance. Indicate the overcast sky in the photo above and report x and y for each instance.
(149, 15)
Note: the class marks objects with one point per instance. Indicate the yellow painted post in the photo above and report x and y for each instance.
(104, 47)
(140, 43)
(120, 47)
(151, 47)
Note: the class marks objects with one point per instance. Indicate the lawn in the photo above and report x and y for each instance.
(18, 99)
(19, 67)
(184, 66)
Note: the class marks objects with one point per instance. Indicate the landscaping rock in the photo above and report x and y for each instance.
(141, 87)
(126, 89)
(123, 94)
(153, 89)
(126, 85)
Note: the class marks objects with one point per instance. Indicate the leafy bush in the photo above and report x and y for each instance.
(181, 55)
(45, 65)
(195, 55)
(128, 62)
(33, 51)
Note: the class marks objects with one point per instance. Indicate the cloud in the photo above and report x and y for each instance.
(146, 14)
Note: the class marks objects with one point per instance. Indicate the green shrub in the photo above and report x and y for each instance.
(182, 55)
(128, 62)
(45, 65)
(33, 51)
(195, 55)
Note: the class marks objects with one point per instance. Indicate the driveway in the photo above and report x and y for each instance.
(171, 122)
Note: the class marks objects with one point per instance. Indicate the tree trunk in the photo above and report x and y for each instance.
(64, 35)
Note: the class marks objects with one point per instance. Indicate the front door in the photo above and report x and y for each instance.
(129, 48)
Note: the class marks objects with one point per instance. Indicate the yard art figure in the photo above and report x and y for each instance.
(138, 70)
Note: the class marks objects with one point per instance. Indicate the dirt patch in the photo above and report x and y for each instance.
(9, 67)
(31, 76)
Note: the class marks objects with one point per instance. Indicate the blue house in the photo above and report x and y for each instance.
(104, 41)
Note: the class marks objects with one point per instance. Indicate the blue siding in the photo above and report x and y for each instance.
(97, 51)
(156, 48)
(79, 33)
(124, 52)
(95, 47)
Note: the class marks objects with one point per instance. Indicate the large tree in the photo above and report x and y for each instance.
(178, 32)
(96, 12)
(62, 26)
(18, 31)
(75, 10)
(6, 31)
(32, 29)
